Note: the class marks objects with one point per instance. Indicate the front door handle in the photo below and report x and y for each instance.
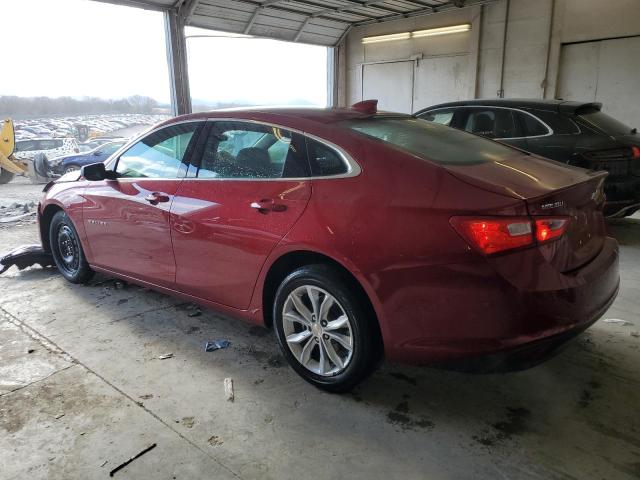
(156, 197)
(268, 205)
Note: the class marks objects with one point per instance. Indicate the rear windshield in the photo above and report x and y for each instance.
(604, 122)
(431, 141)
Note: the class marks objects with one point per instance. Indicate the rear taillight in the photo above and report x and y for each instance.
(493, 235)
(548, 229)
(635, 152)
(490, 235)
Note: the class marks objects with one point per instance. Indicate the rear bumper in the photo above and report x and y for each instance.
(621, 194)
(503, 309)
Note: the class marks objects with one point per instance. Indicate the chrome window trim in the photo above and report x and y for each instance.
(549, 129)
(353, 168)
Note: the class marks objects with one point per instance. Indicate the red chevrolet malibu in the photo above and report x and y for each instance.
(354, 234)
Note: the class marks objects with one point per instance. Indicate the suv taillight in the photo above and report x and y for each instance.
(490, 235)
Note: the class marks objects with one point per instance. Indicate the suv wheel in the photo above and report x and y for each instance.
(323, 330)
(67, 250)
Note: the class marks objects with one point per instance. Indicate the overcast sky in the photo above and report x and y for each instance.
(86, 48)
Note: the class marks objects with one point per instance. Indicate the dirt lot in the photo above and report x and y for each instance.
(82, 389)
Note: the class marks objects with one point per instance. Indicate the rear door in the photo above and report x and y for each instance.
(495, 123)
(246, 190)
(127, 220)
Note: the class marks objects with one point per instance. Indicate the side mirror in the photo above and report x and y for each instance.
(97, 171)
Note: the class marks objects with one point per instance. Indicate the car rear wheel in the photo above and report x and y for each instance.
(5, 176)
(67, 251)
(323, 329)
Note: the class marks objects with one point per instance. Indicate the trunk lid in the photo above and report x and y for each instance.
(549, 189)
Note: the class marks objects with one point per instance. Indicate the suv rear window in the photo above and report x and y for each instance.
(604, 122)
(431, 141)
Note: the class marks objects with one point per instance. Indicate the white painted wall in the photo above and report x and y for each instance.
(536, 31)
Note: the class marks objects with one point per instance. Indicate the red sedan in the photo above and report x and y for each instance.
(354, 234)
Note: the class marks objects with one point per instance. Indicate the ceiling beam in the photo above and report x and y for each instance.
(302, 27)
(422, 11)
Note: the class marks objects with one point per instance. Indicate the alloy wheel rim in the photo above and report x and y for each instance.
(68, 249)
(317, 330)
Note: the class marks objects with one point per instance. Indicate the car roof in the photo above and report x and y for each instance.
(285, 115)
(556, 105)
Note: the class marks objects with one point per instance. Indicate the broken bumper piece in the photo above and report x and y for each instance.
(26, 256)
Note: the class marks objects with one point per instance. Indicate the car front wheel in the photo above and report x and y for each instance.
(67, 251)
(323, 329)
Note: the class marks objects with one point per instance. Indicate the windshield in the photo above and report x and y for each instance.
(431, 141)
(604, 122)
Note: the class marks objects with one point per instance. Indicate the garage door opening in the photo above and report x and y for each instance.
(227, 70)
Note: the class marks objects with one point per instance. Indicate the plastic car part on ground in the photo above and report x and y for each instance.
(216, 345)
(26, 256)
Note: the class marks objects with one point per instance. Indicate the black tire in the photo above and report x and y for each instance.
(67, 249)
(362, 330)
(6, 176)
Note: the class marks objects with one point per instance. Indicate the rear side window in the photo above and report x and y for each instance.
(252, 151)
(532, 126)
(442, 116)
(492, 123)
(324, 160)
(430, 141)
(559, 123)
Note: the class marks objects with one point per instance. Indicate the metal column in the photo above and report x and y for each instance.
(177, 61)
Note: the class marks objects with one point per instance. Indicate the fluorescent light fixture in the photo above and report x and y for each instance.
(387, 38)
(465, 27)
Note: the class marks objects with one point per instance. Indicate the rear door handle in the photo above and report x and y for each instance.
(156, 197)
(267, 205)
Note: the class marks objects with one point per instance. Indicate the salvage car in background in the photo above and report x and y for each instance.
(353, 233)
(571, 132)
(51, 147)
(71, 163)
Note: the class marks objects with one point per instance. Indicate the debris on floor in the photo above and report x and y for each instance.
(19, 212)
(25, 256)
(216, 345)
(188, 421)
(228, 389)
(215, 441)
(165, 356)
(122, 465)
(618, 321)
(194, 310)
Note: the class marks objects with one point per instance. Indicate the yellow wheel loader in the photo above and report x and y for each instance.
(9, 165)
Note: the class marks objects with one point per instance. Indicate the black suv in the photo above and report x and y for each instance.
(575, 133)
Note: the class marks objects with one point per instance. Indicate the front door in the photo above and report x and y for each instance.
(245, 193)
(127, 220)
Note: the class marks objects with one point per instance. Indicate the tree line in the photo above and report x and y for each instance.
(25, 107)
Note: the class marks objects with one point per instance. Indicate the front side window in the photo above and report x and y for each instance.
(492, 123)
(252, 151)
(442, 116)
(159, 154)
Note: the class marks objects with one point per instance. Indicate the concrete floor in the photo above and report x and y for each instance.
(93, 393)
